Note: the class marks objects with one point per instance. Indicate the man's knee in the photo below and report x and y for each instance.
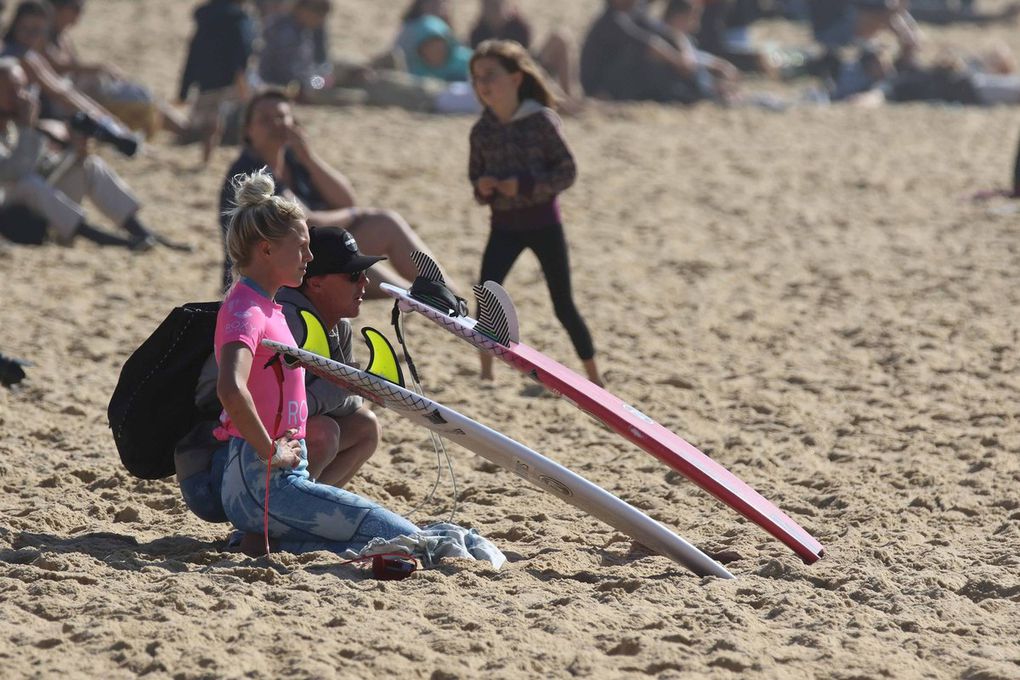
(361, 429)
(389, 217)
(62, 213)
(322, 437)
(94, 164)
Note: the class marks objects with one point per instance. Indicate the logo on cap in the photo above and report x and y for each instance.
(351, 244)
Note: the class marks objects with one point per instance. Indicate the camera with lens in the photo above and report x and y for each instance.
(103, 131)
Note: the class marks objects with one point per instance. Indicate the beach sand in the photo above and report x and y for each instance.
(808, 297)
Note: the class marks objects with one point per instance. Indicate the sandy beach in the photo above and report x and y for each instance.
(809, 297)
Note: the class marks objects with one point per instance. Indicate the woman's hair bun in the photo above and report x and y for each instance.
(254, 189)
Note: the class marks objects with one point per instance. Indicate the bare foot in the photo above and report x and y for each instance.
(254, 545)
(592, 369)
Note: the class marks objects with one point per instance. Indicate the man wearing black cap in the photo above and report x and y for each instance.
(342, 432)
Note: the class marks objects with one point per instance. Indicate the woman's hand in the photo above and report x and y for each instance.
(286, 451)
(297, 142)
(507, 187)
(486, 185)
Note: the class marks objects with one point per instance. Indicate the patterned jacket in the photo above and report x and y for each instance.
(531, 148)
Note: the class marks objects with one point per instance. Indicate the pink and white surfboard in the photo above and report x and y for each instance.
(496, 331)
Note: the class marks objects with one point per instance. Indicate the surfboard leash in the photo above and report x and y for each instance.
(276, 362)
(437, 442)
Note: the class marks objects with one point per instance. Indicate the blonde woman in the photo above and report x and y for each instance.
(264, 405)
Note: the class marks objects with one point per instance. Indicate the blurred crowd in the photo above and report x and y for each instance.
(56, 105)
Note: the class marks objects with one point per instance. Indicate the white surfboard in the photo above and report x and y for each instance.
(505, 452)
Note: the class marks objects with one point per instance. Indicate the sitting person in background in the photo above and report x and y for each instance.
(503, 20)
(725, 32)
(55, 185)
(296, 55)
(274, 140)
(26, 40)
(432, 50)
(710, 76)
(844, 23)
(627, 56)
(217, 65)
(441, 9)
(873, 79)
(292, 51)
(131, 102)
(858, 81)
(429, 51)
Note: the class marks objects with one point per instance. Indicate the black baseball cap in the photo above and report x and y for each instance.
(334, 251)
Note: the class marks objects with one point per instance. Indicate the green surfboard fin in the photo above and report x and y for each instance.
(382, 360)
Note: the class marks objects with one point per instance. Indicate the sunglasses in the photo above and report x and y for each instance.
(356, 276)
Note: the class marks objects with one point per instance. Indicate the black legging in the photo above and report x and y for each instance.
(550, 246)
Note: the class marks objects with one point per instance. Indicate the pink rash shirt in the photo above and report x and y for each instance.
(248, 316)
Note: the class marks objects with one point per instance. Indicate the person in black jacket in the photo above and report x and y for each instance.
(626, 56)
(216, 65)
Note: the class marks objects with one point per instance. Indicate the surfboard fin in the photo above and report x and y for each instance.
(382, 360)
(426, 267)
(430, 287)
(497, 316)
(315, 339)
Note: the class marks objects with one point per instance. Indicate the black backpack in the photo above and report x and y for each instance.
(153, 406)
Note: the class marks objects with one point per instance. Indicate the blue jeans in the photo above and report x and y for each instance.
(301, 511)
(201, 491)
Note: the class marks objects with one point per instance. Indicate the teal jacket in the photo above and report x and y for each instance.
(427, 27)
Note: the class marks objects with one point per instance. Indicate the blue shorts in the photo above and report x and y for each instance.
(303, 514)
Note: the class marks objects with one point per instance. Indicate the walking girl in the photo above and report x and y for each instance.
(519, 163)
